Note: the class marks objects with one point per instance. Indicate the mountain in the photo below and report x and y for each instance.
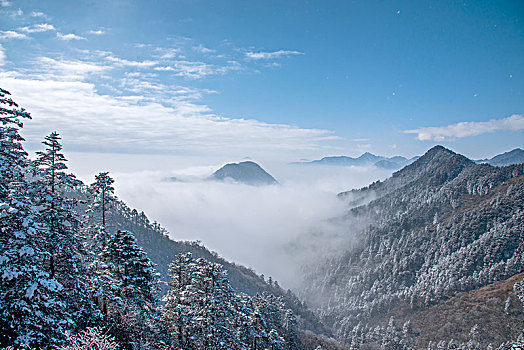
(366, 159)
(515, 156)
(248, 172)
(439, 227)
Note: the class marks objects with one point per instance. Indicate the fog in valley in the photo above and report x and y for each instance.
(273, 229)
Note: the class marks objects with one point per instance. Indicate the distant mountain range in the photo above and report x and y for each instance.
(249, 173)
(515, 156)
(366, 159)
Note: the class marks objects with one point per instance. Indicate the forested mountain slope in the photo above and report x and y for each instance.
(440, 226)
(162, 250)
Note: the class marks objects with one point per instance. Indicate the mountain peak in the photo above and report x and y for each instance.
(439, 148)
(368, 155)
(246, 172)
(439, 161)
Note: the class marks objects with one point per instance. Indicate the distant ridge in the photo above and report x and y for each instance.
(248, 172)
(366, 159)
(515, 156)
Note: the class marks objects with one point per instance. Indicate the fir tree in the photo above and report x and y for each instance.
(101, 196)
(31, 312)
(134, 300)
(60, 229)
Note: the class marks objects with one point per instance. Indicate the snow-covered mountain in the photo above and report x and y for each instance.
(441, 226)
(249, 173)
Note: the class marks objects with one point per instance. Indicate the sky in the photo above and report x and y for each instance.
(269, 80)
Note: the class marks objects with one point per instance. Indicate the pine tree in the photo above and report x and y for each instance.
(203, 312)
(134, 300)
(101, 197)
(199, 311)
(30, 308)
(60, 230)
(96, 236)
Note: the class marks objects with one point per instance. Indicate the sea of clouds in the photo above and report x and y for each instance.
(274, 229)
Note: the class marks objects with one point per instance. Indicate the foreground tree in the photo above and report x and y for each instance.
(203, 312)
(30, 308)
(132, 307)
(65, 255)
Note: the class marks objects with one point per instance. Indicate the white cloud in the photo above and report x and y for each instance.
(291, 222)
(2, 55)
(38, 14)
(271, 55)
(5, 3)
(465, 129)
(96, 32)
(10, 34)
(127, 63)
(47, 68)
(360, 140)
(198, 70)
(201, 48)
(89, 120)
(38, 28)
(167, 53)
(70, 36)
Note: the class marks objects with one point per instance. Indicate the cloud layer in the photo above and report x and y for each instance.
(92, 121)
(465, 129)
(273, 229)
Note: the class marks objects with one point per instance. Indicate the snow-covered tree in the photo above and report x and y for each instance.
(60, 229)
(198, 311)
(134, 289)
(31, 311)
(96, 235)
(93, 338)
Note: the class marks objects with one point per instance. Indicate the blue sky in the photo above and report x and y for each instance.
(268, 79)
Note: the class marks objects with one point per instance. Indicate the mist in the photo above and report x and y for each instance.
(273, 229)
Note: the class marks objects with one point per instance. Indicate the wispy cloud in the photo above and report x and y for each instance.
(93, 121)
(198, 70)
(123, 62)
(70, 36)
(96, 32)
(37, 14)
(360, 140)
(37, 28)
(10, 34)
(64, 70)
(465, 129)
(5, 3)
(261, 55)
(201, 48)
(167, 53)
